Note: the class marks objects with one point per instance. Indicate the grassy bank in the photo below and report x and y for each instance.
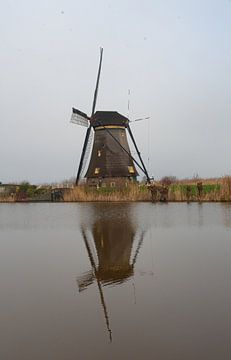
(186, 190)
(210, 190)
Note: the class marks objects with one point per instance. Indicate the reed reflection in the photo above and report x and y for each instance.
(226, 214)
(112, 242)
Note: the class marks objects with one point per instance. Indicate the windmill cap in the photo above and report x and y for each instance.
(103, 118)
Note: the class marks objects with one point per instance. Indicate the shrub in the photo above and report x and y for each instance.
(168, 180)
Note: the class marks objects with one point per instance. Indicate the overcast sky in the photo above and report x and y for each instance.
(174, 56)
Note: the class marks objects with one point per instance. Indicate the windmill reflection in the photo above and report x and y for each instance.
(109, 242)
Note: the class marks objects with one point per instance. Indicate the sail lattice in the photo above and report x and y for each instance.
(86, 158)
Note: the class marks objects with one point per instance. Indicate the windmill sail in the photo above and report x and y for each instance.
(86, 141)
(95, 272)
(97, 82)
(79, 118)
(86, 157)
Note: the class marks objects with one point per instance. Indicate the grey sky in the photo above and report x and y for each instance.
(174, 55)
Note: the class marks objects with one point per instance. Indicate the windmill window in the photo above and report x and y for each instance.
(99, 153)
(112, 184)
(97, 170)
(131, 170)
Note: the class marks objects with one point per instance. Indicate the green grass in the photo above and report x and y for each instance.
(208, 188)
(211, 187)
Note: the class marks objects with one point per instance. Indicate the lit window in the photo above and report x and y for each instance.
(99, 153)
(131, 169)
(97, 170)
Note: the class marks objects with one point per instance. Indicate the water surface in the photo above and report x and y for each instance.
(115, 281)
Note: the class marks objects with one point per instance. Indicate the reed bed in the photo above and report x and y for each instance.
(133, 192)
(212, 190)
(7, 198)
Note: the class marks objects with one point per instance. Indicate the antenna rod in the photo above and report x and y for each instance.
(129, 93)
(97, 83)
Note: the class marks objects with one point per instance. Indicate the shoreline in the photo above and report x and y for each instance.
(115, 201)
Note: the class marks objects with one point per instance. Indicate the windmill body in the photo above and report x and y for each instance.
(111, 162)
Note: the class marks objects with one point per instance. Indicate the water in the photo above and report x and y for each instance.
(115, 281)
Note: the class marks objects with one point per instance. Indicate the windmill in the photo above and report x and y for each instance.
(105, 148)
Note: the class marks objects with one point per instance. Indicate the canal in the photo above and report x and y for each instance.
(115, 281)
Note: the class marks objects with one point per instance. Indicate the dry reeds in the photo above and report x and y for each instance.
(7, 198)
(226, 189)
(133, 192)
(212, 190)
